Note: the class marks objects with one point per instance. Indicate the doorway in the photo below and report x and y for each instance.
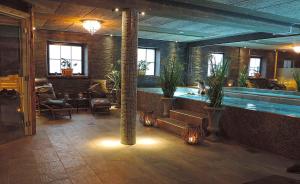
(17, 114)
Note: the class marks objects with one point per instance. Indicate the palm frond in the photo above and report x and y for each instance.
(170, 77)
(216, 83)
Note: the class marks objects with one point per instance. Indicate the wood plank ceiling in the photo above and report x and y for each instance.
(179, 20)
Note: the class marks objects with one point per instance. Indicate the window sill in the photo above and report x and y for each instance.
(63, 77)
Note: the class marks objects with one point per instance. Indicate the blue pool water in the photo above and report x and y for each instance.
(255, 105)
(264, 92)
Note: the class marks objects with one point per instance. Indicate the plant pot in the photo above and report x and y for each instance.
(141, 72)
(214, 115)
(167, 104)
(67, 72)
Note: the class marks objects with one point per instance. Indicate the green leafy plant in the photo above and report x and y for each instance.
(296, 76)
(216, 83)
(171, 76)
(142, 65)
(66, 63)
(243, 77)
(115, 75)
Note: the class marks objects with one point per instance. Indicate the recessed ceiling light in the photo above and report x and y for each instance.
(33, 28)
(111, 35)
(245, 47)
(116, 9)
(176, 41)
(143, 13)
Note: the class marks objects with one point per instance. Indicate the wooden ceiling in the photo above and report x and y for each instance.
(171, 20)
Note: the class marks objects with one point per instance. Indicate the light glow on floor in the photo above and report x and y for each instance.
(112, 143)
(146, 141)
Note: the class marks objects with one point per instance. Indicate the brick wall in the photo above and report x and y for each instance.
(166, 50)
(102, 52)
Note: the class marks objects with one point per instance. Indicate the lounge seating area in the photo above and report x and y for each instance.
(149, 92)
(94, 99)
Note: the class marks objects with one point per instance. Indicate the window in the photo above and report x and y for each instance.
(216, 60)
(287, 63)
(148, 55)
(254, 66)
(71, 52)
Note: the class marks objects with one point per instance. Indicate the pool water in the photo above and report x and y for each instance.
(250, 104)
(264, 92)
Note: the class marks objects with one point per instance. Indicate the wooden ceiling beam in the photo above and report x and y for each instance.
(233, 39)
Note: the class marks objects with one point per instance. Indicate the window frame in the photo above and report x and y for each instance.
(208, 62)
(292, 63)
(155, 59)
(83, 63)
(260, 62)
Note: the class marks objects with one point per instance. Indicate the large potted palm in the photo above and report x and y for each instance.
(243, 77)
(115, 77)
(215, 95)
(170, 78)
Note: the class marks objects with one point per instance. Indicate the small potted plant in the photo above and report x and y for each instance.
(215, 95)
(67, 70)
(142, 67)
(296, 76)
(170, 78)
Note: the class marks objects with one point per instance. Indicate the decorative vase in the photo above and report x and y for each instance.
(67, 72)
(214, 115)
(167, 104)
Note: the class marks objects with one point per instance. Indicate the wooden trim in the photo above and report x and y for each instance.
(83, 62)
(13, 12)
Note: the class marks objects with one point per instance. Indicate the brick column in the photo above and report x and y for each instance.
(129, 76)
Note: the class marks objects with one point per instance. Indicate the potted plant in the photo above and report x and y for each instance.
(142, 67)
(215, 95)
(115, 77)
(67, 70)
(243, 77)
(296, 76)
(170, 78)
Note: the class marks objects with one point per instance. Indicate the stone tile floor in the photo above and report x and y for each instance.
(85, 150)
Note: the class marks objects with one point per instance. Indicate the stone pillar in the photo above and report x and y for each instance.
(129, 76)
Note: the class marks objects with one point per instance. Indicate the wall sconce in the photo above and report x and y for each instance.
(230, 83)
(193, 134)
(296, 49)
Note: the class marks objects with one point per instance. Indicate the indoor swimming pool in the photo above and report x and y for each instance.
(277, 102)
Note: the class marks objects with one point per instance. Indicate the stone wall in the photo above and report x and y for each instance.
(102, 52)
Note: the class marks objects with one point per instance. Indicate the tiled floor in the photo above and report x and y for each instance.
(85, 150)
